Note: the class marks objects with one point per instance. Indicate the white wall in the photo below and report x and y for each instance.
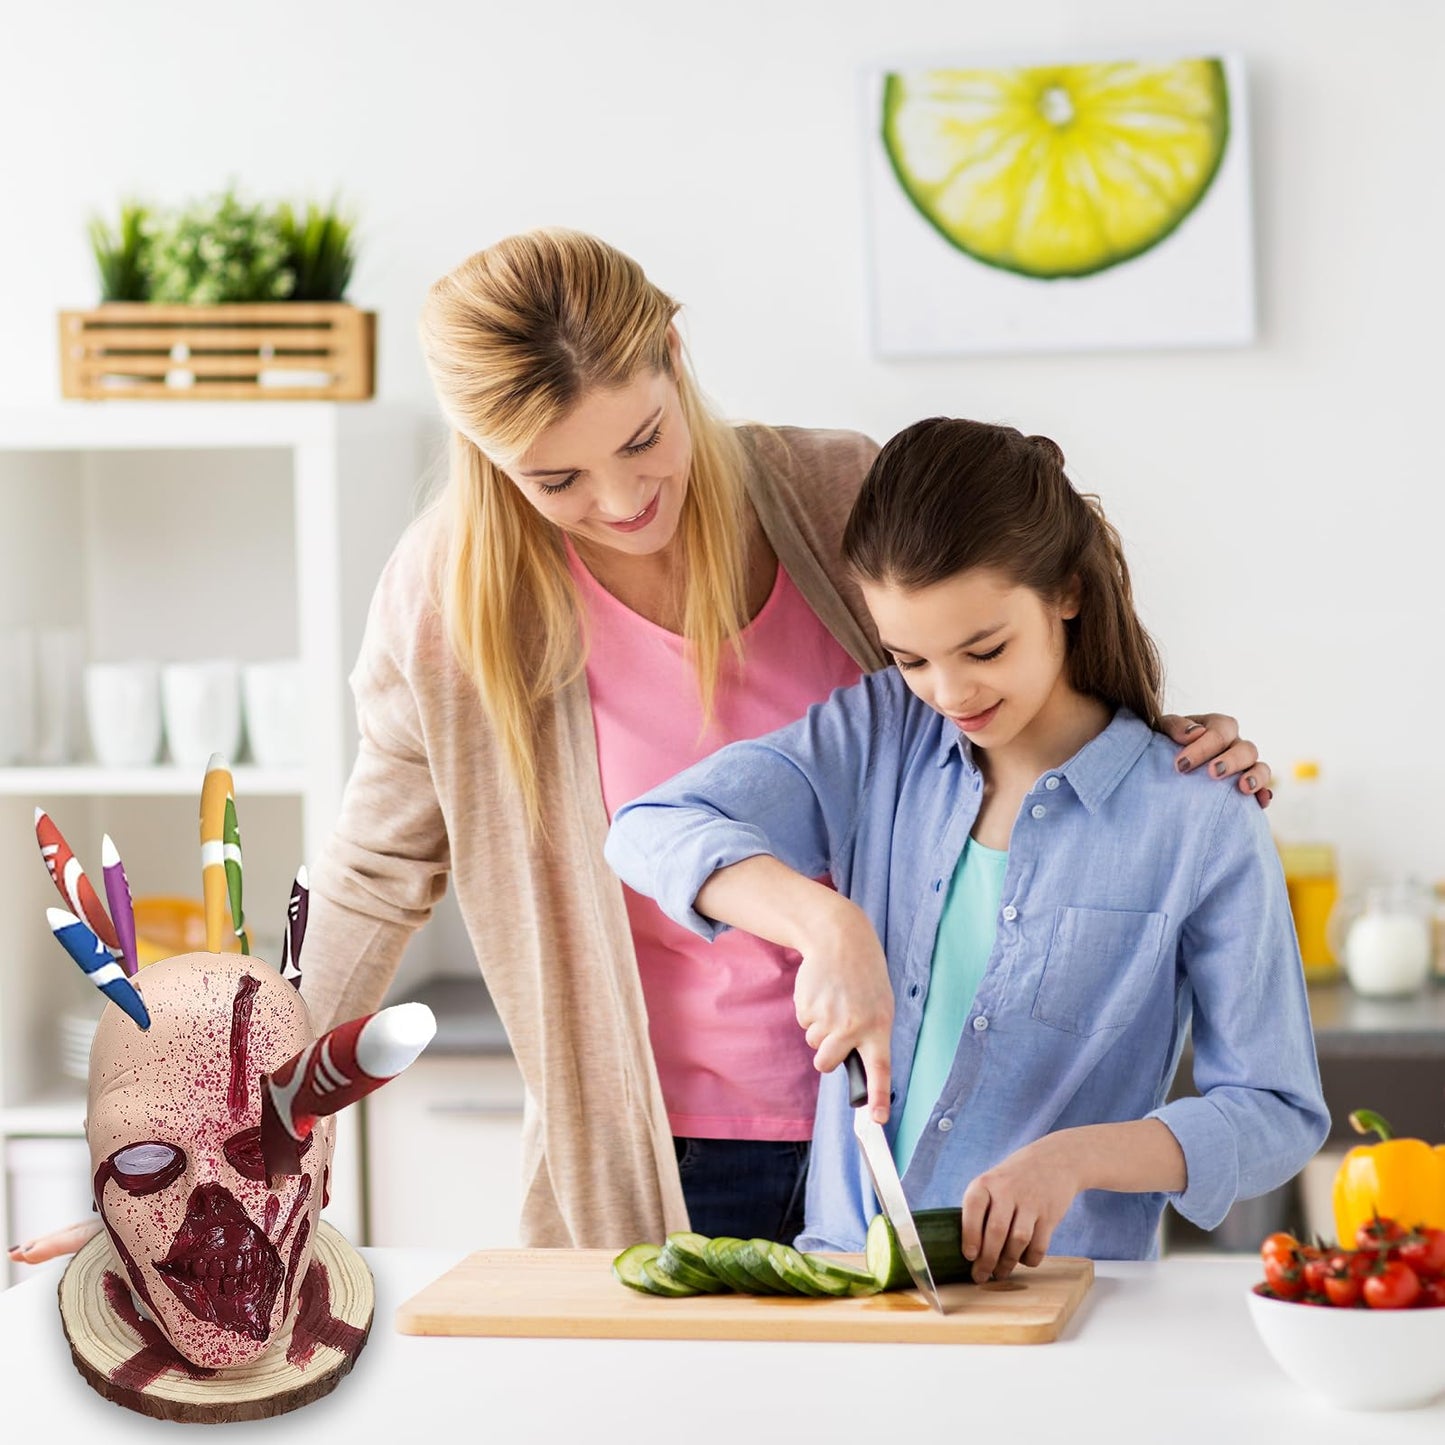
(1283, 504)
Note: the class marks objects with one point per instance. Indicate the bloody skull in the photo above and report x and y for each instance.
(215, 1254)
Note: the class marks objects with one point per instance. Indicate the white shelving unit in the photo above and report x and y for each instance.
(180, 531)
(82, 780)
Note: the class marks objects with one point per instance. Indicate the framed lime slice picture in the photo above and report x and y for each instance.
(1062, 170)
(1059, 204)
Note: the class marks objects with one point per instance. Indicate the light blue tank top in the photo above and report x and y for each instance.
(965, 939)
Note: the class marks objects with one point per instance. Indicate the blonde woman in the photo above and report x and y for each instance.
(613, 584)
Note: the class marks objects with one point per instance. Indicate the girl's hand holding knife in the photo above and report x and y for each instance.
(842, 997)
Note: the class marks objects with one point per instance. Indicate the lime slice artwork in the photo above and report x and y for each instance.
(1057, 170)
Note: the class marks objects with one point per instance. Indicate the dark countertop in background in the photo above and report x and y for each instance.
(1381, 1054)
(467, 1021)
(1346, 1025)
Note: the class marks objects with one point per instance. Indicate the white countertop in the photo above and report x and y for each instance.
(1156, 1353)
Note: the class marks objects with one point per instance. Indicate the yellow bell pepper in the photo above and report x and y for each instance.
(1399, 1179)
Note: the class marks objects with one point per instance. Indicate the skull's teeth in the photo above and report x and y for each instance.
(218, 1267)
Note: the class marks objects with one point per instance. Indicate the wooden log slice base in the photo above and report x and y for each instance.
(125, 1357)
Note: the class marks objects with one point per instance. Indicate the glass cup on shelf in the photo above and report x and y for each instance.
(271, 694)
(123, 712)
(202, 706)
(59, 706)
(17, 695)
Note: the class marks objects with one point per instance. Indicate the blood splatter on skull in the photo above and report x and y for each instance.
(214, 1253)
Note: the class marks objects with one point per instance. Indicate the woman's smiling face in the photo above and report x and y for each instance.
(987, 654)
(614, 470)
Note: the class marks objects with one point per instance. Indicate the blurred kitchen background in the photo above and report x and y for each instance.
(1281, 501)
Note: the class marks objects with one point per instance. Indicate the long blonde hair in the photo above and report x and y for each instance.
(513, 338)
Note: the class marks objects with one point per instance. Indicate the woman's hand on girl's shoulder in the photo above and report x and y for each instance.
(1211, 740)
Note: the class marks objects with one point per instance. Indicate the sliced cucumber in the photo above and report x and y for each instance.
(690, 1264)
(754, 1255)
(840, 1279)
(822, 1284)
(690, 1250)
(793, 1270)
(677, 1265)
(628, 1266)
(940, 1231)
(743, 1257)
(659, 1283)
(720, 1254)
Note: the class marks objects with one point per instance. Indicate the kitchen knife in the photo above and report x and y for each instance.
(886, 1183)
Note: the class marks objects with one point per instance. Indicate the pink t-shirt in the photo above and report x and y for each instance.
(732, 1060)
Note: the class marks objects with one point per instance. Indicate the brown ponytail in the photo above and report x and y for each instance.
(945, 496)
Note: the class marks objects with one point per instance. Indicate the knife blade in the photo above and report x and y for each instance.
(886, 1183)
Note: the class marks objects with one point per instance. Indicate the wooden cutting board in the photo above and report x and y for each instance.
(571, 1294)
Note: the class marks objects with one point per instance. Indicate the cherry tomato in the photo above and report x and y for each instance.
(1423, 1249)
(1345, 1277)
(1379, 1236)
(1391, 1286)
(1432, 1293)
(1315, 1270)
(1281, 1246)
(1343, 1291)
(1285, 1279)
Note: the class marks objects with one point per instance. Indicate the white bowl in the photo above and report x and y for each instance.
(1359, 1359)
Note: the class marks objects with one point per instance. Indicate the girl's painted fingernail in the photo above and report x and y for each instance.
(1183, 765)
(1265, 796)
(1252, 783)
(1217, 768)
(1193, 728)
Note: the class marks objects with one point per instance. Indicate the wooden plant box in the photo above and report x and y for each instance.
(271, 350)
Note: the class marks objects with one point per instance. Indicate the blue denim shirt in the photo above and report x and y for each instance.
(1138, 903)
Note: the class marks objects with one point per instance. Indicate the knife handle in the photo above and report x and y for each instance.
(857, 1079)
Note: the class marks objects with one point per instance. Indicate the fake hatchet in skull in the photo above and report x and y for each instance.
(342, 1066)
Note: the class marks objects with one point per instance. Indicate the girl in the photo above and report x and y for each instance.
(1057, 902)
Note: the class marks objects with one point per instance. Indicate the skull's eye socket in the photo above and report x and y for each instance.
(243, 1153)
(144, 1168)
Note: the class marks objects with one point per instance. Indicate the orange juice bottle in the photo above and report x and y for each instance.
(1310, 872)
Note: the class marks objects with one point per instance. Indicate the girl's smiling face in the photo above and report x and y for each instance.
(984, 652)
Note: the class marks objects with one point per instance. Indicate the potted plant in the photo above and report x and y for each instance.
(320, 251)
(120, 254)
(221, 298)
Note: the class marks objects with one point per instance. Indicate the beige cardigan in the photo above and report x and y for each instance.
(429, 795)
